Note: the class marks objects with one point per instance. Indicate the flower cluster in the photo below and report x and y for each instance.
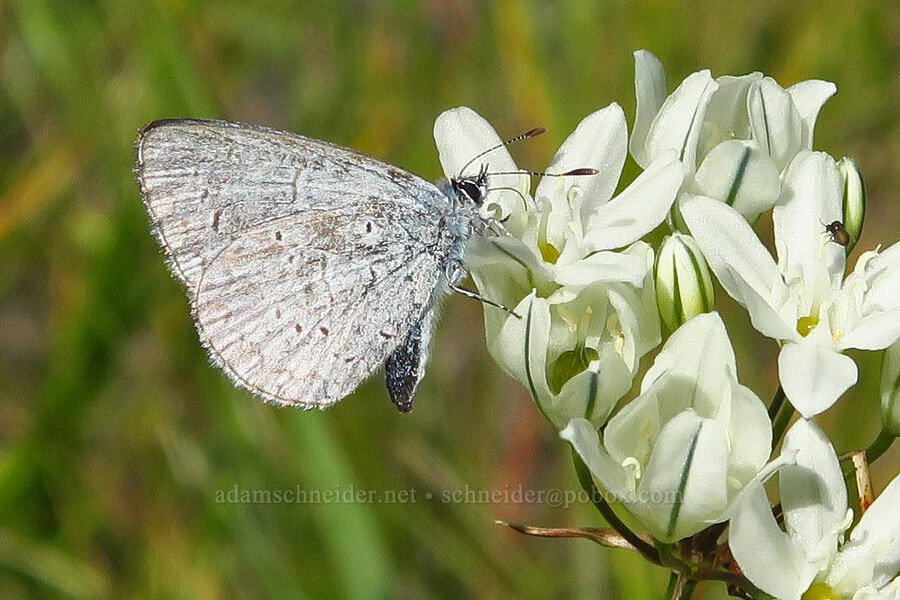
(689, 454)
(589, 309)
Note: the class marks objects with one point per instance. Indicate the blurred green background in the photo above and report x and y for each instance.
(115, 434)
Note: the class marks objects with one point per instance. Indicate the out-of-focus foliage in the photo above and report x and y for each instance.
(117, 439)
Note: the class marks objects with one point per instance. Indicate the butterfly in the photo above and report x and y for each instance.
(307, 265)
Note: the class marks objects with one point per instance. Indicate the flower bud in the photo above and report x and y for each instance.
(854, 205)
(890, 390)
(684, 287)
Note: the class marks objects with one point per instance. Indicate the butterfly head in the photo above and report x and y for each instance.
(471, 188)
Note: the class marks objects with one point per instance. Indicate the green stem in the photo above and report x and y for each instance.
(776, 403)
(737, 581)
(596, 496)
(781, 422)
(670, 589)
(680, 587)
(687, 591)
(879, 446)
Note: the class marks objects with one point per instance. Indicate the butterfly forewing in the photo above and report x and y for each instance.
(306, 263)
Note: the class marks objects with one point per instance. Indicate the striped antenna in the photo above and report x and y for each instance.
(528, 134)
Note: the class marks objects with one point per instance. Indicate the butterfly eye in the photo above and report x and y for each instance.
(471, 190)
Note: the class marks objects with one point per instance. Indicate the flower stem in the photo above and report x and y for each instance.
(780, 423)
(879, 446)
(687, 590)
(680, 587)
(587, 483)
(670, 589)
(777, 402)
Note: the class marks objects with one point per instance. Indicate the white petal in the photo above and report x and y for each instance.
(699, 357)
(603, 266)
(460, 135)
(750, 431)
(767, 555)
(873, 332)
(632, 324)
(811, 196)
(642, 304)
(813, 374)
(593, 393)
(774, 121)
(599, 142)
(504, 271)
(741, 176)
(650, 92)
(740, 261)
(808, 97)
(726, 115)
(609, 473)
(813, 493)
(633, 431)
(639, 209)
(685, 482)
(677, 125)
(882, 275)
(521, 349)
(872, 556)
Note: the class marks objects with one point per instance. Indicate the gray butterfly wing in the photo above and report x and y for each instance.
(307, 264)
(205, 181)
(301, 309)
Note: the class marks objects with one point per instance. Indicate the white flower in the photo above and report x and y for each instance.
(808, 555)
(735, 135)
(588, 313)
(803, 301)
(679, 454)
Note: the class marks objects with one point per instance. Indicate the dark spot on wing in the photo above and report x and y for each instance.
(298, 328)
(291, 258)
(368, 227)
(277, 312)
(204, 195)
(385, 335)
(216, 216)
(324, 330)
(278, 235)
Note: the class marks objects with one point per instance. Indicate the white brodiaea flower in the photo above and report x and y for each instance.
(588, 313)
(804, 301)
(679, 454)
(807, 559)
(735, 135)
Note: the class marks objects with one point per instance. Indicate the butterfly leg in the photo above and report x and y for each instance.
(457, 275)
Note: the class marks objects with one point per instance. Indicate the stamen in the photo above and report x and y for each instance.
(634, 464)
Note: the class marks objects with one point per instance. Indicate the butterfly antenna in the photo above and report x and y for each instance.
(528, 134)
(572, 173)
(511, 189)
